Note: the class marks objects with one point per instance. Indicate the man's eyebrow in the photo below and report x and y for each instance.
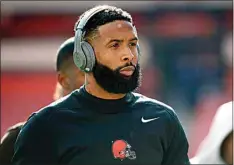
(114, 40)
(134, 39)
(117, 40)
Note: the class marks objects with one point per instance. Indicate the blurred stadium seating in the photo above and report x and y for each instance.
(185, 50)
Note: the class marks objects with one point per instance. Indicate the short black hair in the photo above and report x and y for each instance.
(65, 52)
(103, 17)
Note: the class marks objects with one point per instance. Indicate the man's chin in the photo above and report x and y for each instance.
(115, 81)
(126, 77)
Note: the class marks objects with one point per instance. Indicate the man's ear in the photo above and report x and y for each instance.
(59, 92)
(63, 80)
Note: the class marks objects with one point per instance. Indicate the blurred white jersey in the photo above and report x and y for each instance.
(209, 150)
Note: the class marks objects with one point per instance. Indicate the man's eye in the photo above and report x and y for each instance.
(133, 44)
(115, 45)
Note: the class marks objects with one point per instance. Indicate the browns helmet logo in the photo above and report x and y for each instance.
(121, 150)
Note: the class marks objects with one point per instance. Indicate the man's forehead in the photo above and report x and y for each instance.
(116, 28)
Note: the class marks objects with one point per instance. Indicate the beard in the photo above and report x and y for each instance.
(113, 81)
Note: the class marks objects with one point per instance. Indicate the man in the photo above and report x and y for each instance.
(69, 79)
(69, 76)
(104, 122)
(217, 146)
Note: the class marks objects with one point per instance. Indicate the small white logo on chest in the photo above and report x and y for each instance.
(148, 120)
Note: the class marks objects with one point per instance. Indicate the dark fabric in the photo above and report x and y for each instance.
(82, 129)
(8, 142)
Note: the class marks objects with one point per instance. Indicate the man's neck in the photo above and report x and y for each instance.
(94, 89)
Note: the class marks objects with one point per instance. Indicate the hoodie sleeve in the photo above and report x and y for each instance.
(34, 144)
(177, 152)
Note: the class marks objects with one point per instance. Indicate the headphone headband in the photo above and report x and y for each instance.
(87, 16)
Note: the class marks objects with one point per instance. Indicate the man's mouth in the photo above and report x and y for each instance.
(127, 71)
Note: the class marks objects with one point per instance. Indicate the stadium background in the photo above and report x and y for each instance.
(187, 56)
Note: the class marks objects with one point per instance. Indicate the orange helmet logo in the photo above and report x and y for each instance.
(121, 150)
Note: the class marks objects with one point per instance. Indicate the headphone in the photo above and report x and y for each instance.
(83, 55)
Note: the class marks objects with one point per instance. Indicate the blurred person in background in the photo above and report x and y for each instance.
(69, 76)
(69, 79)
(210, 97)
(216, 148)
(7, 143)
(104, 122)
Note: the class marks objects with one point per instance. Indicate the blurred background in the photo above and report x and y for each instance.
(186, 56)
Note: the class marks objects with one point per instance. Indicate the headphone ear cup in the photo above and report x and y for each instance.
(79, 60)
(89, 55)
